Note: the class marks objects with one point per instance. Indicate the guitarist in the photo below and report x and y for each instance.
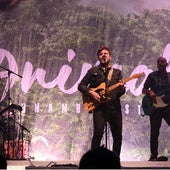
(109, 111)
(156, 82)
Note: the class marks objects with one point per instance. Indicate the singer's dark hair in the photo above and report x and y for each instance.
(103, 48)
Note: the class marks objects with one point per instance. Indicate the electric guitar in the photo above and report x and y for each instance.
(161, 101)
(90, 104)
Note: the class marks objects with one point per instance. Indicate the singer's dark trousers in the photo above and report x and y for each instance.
(107, 113)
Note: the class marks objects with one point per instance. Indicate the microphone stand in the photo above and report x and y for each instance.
(106, 134)
(9, 101)
(106, 85)
(107, 73)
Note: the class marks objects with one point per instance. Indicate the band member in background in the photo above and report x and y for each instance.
(110, 110)
(156, 83)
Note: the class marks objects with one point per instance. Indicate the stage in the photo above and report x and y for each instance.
(24, 164)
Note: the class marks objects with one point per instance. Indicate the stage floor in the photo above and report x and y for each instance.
(24, 164)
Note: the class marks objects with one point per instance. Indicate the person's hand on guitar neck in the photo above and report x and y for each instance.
(121, 83)
(94, 95)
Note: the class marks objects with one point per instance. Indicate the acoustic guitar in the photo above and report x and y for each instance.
(91, 104)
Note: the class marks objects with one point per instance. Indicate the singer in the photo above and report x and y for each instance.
(108, 108)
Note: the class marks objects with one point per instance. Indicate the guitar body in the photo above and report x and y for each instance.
(149, 106)
(89, 103)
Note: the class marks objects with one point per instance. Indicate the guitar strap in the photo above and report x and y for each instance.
(109, 76)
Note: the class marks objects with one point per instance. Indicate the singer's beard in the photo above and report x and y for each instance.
(104, 64)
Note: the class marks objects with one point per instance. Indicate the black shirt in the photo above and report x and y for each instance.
(157, 82)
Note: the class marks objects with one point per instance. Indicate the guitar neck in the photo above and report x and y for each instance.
(118, 84)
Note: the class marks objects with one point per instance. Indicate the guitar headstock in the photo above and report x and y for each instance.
(138, 75)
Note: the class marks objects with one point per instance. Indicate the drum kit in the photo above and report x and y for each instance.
(14, 143)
